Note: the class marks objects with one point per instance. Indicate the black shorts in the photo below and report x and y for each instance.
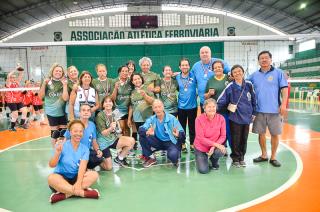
(56, 121)
(125, 117)
(1, 104)
(95, 161)
(37, 107)
(15, 106)
(71, 181)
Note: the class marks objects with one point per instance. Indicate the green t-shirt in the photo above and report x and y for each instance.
(104, 88)
(150, 78)
(218, 86)
(123, 97)
(103, 122)
(54, 105)
(141, 109)
(70, 86)
(168, 95)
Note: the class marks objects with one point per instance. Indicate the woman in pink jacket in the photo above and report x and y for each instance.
(210, 136)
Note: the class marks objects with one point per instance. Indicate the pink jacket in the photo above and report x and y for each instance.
(209, 132)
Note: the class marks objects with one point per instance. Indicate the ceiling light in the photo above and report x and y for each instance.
(303, 5)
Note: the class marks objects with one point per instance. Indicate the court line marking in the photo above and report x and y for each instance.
(256, 201)
(293, 179)
(22, 143)
(39, 149)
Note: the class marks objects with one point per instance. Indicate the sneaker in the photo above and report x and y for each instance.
(275, 163)
(122, 163)
(260, 159)
(56, 197)
(215, 166)
(191, 148)
(91, 193)
(163, 152)
(184, 148)
(149, 162)
(13, 129)
(236, 164)
(242, 163)
(24, 126)
(143, 158)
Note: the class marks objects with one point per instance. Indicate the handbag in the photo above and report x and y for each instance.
(233, 107)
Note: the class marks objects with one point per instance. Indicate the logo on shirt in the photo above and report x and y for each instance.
(270, 78)
(249, 96)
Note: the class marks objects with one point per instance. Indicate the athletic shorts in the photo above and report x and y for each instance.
(37, 107)
(95, 161)
(71, 181)
(270, 120)
(15, 106)
(56, 121)
(124, 117)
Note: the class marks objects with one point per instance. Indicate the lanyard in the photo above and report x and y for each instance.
(205, 70)
(167, 88)
(106, 91)
(185, 82)
(86, 96)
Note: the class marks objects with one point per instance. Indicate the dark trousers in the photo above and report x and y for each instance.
(151, 144)
(239, 137)
(202, 160)
(190, 116)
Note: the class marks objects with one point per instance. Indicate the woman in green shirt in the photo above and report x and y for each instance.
(140, 102)
(215, 87)
(151, 79)
(109, 134)
(168, 91)
(121, 95)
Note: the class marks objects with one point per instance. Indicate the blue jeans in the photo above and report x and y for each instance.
(149, 142)
(202, 160)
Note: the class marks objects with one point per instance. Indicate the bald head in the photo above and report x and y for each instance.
(205, 54)
(158, 107)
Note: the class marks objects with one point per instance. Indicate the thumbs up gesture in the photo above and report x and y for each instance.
(150, 131)
(175, 132)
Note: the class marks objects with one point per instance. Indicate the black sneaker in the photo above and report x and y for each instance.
(184, 148)
(243, 164)
(191, 148)
(260, 159)
(275, 163)
(13, 129)
(122, 163)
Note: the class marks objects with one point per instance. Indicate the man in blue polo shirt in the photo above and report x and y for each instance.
(268, 81)
(161, 131)
(187, 101)
(202, 71)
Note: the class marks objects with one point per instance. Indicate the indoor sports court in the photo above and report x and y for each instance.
(36, 34)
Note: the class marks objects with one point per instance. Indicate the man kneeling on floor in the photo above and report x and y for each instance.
(161, 131)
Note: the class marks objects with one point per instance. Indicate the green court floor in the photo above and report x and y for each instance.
(24, 170)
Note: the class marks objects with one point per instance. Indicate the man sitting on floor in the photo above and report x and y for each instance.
(161, 131)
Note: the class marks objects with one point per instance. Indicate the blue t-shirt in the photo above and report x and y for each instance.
(203, 72)
(267, 86)
(187, 98)
(160, 131)
(69, 160)
(89, 133)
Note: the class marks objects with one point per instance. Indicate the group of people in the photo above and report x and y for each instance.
(106, 114)
(24, 104)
